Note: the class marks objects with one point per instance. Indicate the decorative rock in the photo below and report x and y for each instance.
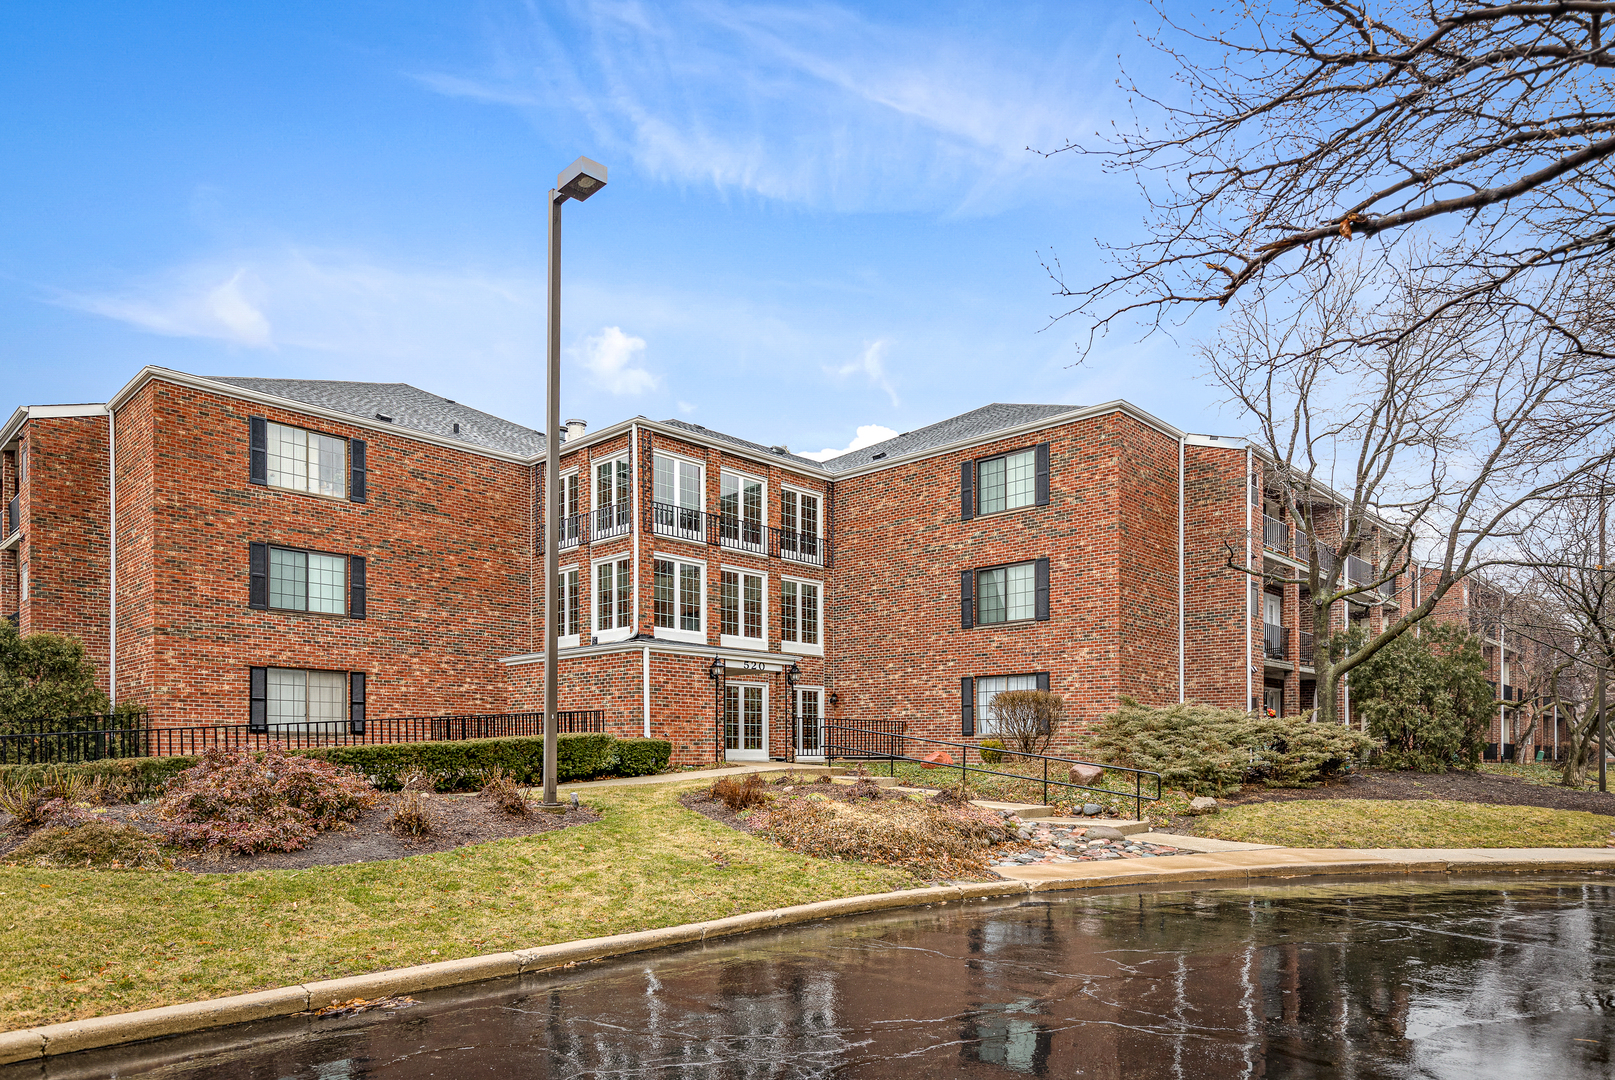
(1105, 832)
(1085, 774)
(1204, 804)
(1092, 809)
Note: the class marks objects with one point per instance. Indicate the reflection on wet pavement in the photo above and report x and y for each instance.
(1469, 979)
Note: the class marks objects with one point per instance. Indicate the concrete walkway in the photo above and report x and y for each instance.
(766, 767)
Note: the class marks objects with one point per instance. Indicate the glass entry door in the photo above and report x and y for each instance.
(745, 722)
(809, 723)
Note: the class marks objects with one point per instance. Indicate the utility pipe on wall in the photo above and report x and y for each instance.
(1182, 683)
(112, 561)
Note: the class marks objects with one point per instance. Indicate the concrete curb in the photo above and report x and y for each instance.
(103, 1031)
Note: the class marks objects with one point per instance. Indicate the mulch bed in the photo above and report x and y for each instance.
(462, 820)
(1458, 786)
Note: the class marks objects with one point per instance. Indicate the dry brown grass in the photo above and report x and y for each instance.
(740, 795)
(506, 794)
(929, 840)
(412, 817)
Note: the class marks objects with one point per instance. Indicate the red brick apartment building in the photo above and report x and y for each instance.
(302, 550)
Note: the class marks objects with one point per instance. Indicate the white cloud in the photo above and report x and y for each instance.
(198, 304)
(610, 355)
(868, 435)
(686, 408)
(872, 364)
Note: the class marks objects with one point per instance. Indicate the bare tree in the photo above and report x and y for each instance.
(1485, 131)
(1027, 719)
(1435, 446)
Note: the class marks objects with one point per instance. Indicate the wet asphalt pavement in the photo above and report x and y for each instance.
(1476, 978)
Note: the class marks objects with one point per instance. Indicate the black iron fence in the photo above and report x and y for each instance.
(866, 741)
(97, 738)
(740, 534)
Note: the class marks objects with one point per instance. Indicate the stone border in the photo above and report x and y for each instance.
(53, 1040)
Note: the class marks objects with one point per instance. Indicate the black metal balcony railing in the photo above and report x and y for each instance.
(1304, 647)
(592, 526)
(1275, 640)
(739, 534)
(13, 513)
(1358, 571)
(1275, 534)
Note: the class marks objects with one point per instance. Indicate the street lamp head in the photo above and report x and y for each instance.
(581, 179)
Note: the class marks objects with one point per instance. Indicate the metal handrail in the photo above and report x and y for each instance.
(1138, 796)
(739, 534)
(1275, 534)
(1275, 640)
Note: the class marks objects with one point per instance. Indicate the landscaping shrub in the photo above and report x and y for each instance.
(58, 797)
(98, 844)
(461, 766)
(928, 840)
(740, 794)
(641, 757)
(412, 818)
(992, 751)
(44, 676)
(123, 779)
(245, 802)
(1426, 699)
(1028, 719)
(505, 793)
(1195, 746)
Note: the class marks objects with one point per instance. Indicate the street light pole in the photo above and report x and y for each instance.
(578, 181)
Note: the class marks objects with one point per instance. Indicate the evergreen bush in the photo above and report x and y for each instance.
(1197, 747)
(1426, 699)
(641, 757)
(466, 765)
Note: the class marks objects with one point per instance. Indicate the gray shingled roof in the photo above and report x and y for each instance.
(795, 459)
(971, 425)
(406, 406)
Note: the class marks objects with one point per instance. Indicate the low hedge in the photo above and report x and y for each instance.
(641, 757)
(458, 766)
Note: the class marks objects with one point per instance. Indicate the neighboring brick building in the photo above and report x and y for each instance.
(297, 547)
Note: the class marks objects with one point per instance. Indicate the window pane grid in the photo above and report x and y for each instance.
(327, 583)
(288, 579)
(754, 606)
(625, 596)
(729, 603)
(989, 688)
(1006, 594)
(662, 589)
(307, 461)
(787, 611)
(1007, 482)
(689, 596)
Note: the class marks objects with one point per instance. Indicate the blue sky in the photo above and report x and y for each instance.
(820, 217)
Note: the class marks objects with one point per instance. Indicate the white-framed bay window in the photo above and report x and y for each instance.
(741, 499)
(742, 609)
(801, 616)
(613, 498)
(679, 498)
(679, 599)
(303, 460)
(568, 607)
(801, 526)
(614, 599)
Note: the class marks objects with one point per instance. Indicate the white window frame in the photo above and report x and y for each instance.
(673, 633)
(571, 641)
(986, 715)
(571, 527)
(739, 541)
(800, 690)
(741, 641)
(614, 633)
(622, 520)
(1004, 457)
(797, 645)
(786, 552)
(678, 528)
(747, 755)
(270, 472)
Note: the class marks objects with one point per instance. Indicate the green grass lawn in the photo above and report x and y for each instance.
(88, 943)
(1540, 772)
(1412, 823)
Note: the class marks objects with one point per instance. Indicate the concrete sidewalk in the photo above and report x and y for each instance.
(767, 767)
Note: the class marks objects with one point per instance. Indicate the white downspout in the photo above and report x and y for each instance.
(638, 535)
(1182, 683)
(1246, 494)
(644, 681)
(112, 561)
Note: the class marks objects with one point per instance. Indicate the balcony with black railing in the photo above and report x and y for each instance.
(1303, 649)
(1275, 534)
(13, 514)
(1275, 641)
(593, 526)
(738, 533)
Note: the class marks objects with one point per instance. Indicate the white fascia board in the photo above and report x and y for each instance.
(230, 390)
(1228, 442)
(660, 645)
(818, 473)
(1087, 412)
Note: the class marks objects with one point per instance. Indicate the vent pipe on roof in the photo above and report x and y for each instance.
(575, 430)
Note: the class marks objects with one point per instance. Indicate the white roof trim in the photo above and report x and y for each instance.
(659, 645)
(8, 433)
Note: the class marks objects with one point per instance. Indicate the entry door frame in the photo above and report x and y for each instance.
(802, 755)
(741, 753)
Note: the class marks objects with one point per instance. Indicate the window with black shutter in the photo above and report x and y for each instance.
(967, 707)
(967, 599)
(258, 576)
(967, 497)
(356, 689)
(1040, 587)
(357, 589)
(258, 700)
(1043, 684)
(358, 471)
(1041, 478)
(257, 450)
(1010, 481)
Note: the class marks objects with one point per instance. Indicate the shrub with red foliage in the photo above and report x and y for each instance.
(247, 802)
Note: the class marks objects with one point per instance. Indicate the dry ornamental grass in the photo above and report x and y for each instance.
(930, 840)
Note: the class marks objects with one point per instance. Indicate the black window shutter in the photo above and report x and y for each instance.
(258, 576)
(356, 587)
(967, 707)
(358, 475)
(967, 497)
(967, 598)
(1041, 584)
(1042, 476)
(356, 702)
(258, 701)
(1043, 684)
(257, 450)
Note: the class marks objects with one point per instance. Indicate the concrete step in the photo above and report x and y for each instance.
(1122, 825)
(1024, 811)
